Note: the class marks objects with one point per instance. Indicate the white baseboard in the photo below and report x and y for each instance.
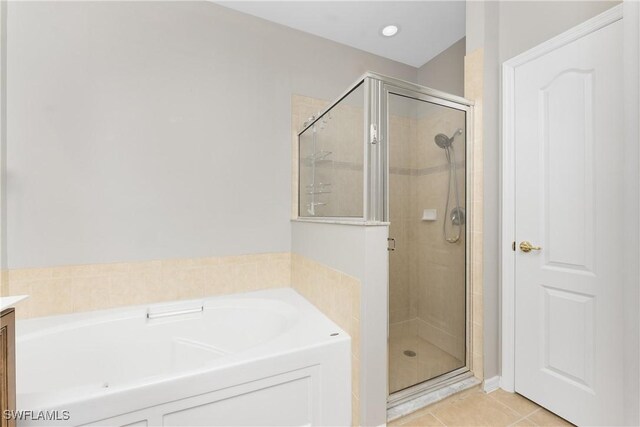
(506, 385)
(491, 384)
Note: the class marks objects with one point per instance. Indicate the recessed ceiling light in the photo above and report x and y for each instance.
(390, 30)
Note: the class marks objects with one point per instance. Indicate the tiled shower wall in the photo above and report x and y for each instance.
(403, 301)
(440, 279)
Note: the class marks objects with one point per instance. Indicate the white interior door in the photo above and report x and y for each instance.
(568, 153)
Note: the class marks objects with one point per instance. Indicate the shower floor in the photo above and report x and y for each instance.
(429, 361)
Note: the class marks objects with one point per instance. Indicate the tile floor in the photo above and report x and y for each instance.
(429, 361)
(476, 408)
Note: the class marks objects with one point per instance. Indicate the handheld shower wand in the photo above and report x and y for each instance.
(457, 214)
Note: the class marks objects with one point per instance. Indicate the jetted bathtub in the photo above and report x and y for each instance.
(260, 358)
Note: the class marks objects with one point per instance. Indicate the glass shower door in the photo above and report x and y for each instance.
(427, 269)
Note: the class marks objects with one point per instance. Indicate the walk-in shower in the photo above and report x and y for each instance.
(427, 271)
(395, 153)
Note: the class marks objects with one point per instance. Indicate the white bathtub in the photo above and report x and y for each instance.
(260, 358)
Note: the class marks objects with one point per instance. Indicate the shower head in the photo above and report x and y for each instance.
(443, 141)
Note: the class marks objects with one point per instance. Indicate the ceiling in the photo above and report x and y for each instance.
(426, 27)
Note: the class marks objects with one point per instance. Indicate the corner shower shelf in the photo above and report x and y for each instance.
(317, 157)
(312, 205)
(319, 188)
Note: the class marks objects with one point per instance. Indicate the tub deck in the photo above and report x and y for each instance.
(260, 358)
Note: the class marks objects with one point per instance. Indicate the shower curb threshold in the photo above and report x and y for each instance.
(431, 397)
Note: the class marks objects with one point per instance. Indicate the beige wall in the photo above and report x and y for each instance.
(163, 128)
(503, 30)
(445, 72)
(525, 24)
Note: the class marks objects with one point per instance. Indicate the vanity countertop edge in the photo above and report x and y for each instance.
(12, 301)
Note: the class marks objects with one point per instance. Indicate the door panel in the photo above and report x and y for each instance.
(568, 345)
(568, 148)
(566, 118)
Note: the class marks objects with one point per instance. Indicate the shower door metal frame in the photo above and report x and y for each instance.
(383, 88)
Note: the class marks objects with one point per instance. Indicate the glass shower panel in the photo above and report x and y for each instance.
(427, 283)
(331, 154)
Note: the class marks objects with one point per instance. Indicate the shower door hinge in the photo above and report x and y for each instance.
(374, 133)
(391, 244)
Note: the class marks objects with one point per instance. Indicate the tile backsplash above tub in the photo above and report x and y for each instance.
(337, 295)
(79, 288)
(68, 289)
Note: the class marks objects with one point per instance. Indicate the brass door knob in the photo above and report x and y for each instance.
(528, 247)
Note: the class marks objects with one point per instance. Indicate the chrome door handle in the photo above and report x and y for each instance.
(528, 247)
